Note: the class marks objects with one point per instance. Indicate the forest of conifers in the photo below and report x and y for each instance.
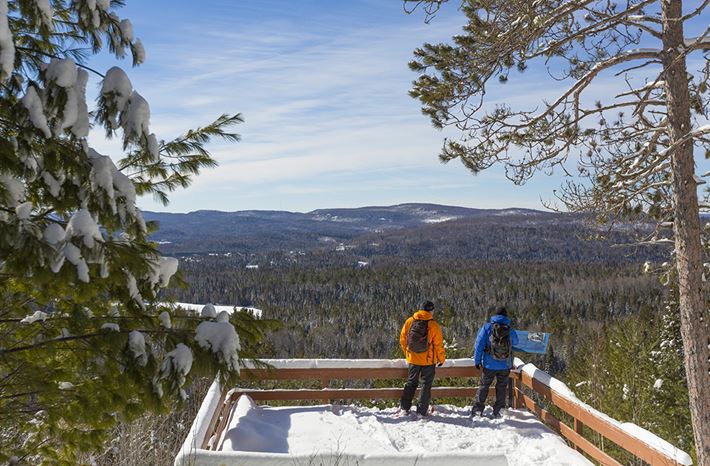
(357, 312)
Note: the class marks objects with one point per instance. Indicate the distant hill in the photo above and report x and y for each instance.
(405, 230)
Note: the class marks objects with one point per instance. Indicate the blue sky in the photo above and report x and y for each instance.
(322, 86)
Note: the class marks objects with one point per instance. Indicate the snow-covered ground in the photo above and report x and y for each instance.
(198, 308)
(353, 435)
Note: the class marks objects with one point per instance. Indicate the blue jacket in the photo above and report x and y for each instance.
(480, 356)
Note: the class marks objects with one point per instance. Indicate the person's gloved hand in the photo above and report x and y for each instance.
(478, 366)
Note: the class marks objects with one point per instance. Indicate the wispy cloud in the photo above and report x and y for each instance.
(324, 95)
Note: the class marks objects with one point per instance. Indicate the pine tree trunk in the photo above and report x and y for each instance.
(693, 310)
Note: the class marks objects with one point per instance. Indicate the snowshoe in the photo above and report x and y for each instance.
(402, 413)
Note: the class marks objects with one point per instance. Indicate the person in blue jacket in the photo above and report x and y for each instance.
(493, 353)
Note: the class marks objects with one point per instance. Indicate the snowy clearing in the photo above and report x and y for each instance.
(355, 434)
(229, 309)
(439, 219)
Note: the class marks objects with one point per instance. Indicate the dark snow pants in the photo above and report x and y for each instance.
(427, 375)
(502, 377)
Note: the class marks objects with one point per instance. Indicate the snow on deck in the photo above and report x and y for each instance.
(262, 435)
(357, 435)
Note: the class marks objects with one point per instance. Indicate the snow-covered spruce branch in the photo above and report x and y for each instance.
(88, 336)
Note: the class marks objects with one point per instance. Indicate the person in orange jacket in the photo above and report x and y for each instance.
(423, 347)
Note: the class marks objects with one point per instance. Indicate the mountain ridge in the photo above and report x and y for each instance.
(410, 230)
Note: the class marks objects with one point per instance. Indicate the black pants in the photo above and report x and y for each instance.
(427, 375)
(502, 377)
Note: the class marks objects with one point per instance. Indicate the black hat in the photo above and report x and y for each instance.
(428, 306)
(501, 311)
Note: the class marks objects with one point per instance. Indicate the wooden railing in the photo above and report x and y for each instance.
(523, 389)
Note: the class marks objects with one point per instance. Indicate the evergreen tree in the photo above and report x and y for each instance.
(634, 371)
(84, 342)
(670, 416)
(631, 152)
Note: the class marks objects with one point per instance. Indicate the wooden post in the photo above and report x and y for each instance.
(579, 428)
(324, 383)
(511, 392)
(517, 386)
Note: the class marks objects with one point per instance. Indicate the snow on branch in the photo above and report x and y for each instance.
(7, 46)
(222, 339)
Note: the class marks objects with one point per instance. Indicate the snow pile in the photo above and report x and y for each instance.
(125, 106)
(53, 185)
(163, 270)
(24, 210)
(101, 175)
(80, 125)
(73, 255)
(372, 436)
(83, 225)
(136, 346)
(126, 29)
(116, 89)
(105, 176)
(177, 362)
(153, 146)
(65, 74)
(7, 46)
(136, 119)
(133, 290)
(164, 319)
(222, 339)
(62, 71)
(138, 52)
(54, 233)
(111, 327)
(33, 103)
(38, 315)
(46, 12)
(14, 189)
(208, 311)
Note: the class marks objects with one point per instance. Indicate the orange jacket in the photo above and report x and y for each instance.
(435, 351)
